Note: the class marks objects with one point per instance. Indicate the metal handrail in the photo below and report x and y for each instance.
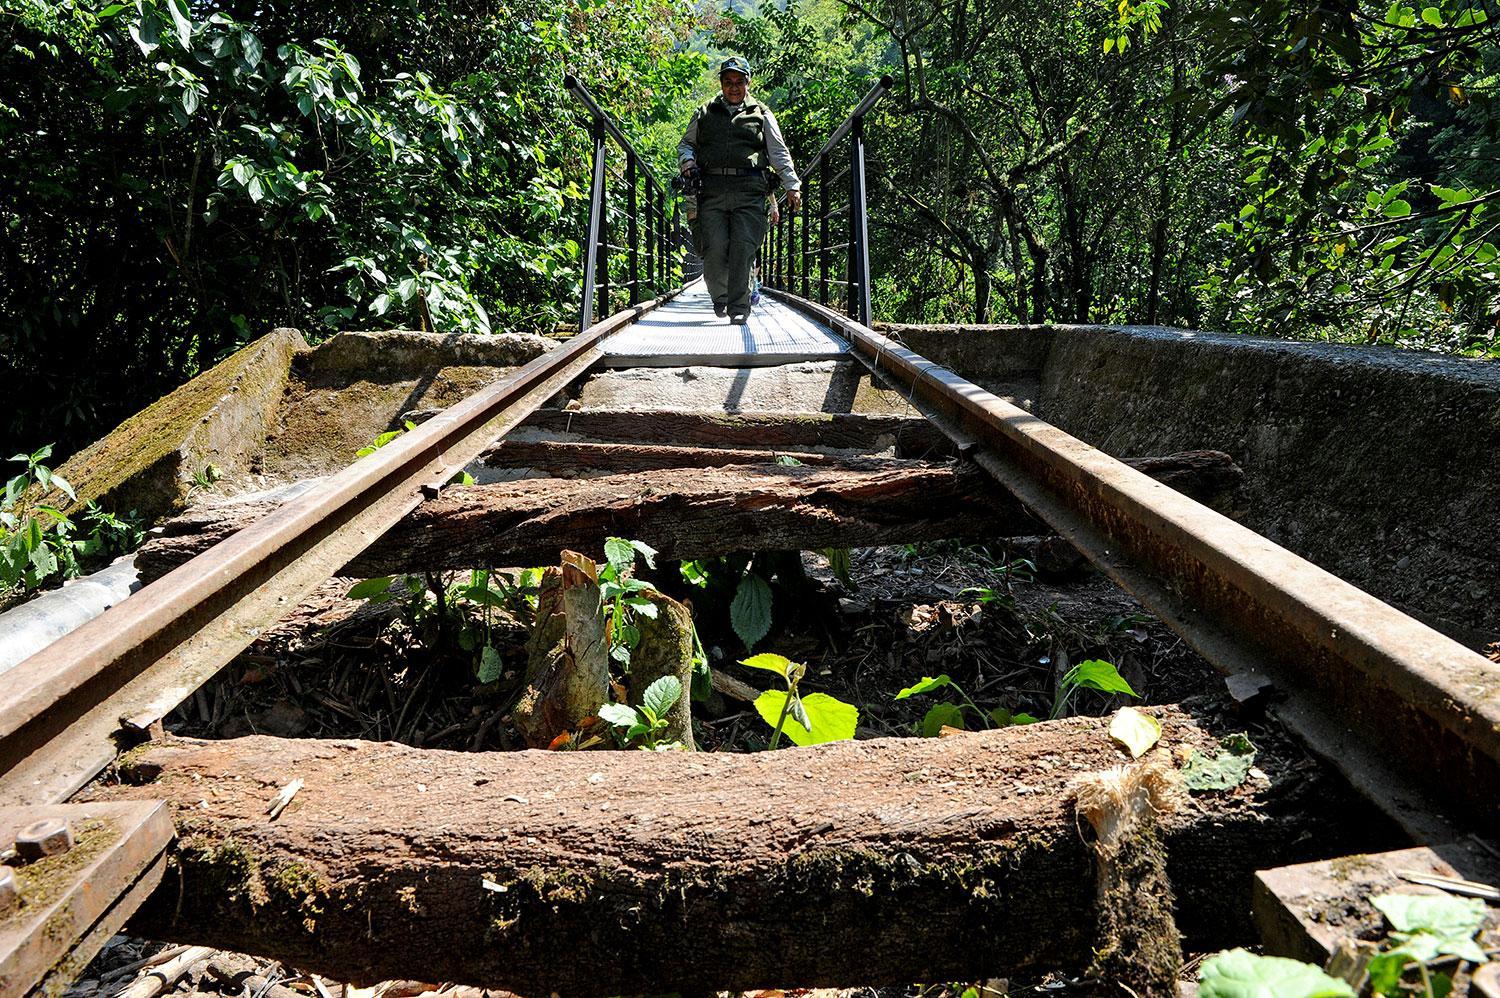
(650, 240)
(788, 268)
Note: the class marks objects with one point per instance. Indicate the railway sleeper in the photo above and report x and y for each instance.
(717, 510)
(880, 861)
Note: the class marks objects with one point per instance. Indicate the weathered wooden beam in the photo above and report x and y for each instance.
(581, 459)
(911, 436)
(714, 511)
(868, 862)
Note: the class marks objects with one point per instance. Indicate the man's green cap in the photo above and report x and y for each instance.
(736, 64)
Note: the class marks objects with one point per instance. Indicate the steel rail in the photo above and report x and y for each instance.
(1375, 691)
(62, 710)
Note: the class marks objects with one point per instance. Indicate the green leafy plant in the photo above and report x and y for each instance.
(952, 714)
(385, 438)
(39, 541)
(1093, 674)
(623, 595)
(816, 718)
(1238, 973)
(1425, 927)
(644, 725)
(463, 607)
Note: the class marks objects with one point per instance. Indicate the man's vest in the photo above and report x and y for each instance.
(728, 140)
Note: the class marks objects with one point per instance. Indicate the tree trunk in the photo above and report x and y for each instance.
(857, 863)
(715, 511)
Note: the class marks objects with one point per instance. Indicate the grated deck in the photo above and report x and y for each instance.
(684, 332)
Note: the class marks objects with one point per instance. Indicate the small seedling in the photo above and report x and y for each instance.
(645, 724)
(624, 596)
(816, 718)
(1093, 674)
(951, 715)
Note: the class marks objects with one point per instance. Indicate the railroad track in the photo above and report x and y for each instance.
(1411, 718)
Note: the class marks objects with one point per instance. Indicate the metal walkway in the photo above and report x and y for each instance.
(685, 332)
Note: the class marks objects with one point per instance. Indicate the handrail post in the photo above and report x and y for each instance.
(633, 231)
(823, 233)
(860, 235)
(596, 212)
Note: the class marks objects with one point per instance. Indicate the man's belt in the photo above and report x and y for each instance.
(734, 171)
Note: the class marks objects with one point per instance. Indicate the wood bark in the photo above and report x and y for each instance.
(574, 459)
(714, 511)
(857, 863)
(567, 657)
(666, 649)
(911, 436)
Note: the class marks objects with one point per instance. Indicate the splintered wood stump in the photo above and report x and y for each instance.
(567, 656)
(596, 873)
(712, 511)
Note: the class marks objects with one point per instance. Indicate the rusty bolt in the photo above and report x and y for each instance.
(9, 893)
(40, 839)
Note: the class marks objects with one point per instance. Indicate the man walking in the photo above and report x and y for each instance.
(734, 140)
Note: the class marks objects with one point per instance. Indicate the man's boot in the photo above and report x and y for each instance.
(720, 309)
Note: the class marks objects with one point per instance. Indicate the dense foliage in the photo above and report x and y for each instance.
(180, 178)
(1296, 167)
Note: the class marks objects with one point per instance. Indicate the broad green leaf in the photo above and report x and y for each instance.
(1385, 971)
(769, 661)
(1224, 771)
(647, 552)
(1096, 674)
(1241, 974)
(1001, 717)
(644, 607)
(1440, 914)
(926, 685)
(949, 714)
(370, 588)
(1398, 208)
(182, 20)
(490, 665)
(830, 720)
(619, 553)
(618, 714)
(1136, 731)
(750, 611)
(661, 695)
(1434, 924)
(1432, 16)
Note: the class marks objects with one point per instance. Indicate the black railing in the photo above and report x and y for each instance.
(649, 262)
(812, 252)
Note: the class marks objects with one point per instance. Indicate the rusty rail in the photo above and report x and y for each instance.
(1372, 690)
(66, 711)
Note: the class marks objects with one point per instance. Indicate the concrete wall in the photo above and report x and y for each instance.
(1380, 465)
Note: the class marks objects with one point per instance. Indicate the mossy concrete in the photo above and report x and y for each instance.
(148, 463)
(1374, 463)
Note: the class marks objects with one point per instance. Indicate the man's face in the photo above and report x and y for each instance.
(734, 84)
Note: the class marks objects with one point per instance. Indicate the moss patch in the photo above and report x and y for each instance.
(41, 883)
(147, 463)
(234, 879)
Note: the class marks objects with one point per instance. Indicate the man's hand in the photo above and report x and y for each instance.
(687, 166)
(794, 200)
